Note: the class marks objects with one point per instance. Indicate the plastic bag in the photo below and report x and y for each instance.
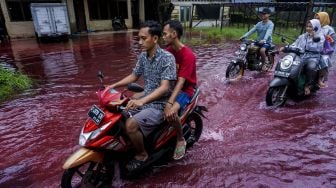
(327, 48)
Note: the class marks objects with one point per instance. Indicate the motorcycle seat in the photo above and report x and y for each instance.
(155, 134)
(196, 93)
(194, 97)
(272, 47)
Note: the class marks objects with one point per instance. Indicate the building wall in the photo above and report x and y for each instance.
(26, 29)
(102, 25)
(72, 16)
(17, 29)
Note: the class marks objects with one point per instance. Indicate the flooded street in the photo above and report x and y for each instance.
(244, 143)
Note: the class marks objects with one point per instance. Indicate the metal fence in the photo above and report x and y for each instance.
(286, 14)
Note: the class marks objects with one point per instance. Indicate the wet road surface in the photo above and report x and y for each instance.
(244, 143)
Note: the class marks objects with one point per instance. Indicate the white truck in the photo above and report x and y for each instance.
(50, 20)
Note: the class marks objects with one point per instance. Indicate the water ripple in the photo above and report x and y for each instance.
(244, 143)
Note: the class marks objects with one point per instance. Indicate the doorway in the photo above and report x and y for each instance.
(135, 13)
(80, 15)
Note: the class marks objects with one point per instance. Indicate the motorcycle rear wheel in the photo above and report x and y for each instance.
(234, 71)
(193, 129)
(268, 66)
(86, 175)
(274, 96)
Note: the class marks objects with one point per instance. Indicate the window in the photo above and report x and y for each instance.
(19, 10)
(104, 10)
(122, 9)
(107, 9)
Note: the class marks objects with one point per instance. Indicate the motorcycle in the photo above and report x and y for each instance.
(248, 57)
(105, 145)
(118, 23)
(289, 78)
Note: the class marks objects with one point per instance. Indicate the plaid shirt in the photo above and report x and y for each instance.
(160, 67)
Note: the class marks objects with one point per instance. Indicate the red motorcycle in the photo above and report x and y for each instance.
(104, 144)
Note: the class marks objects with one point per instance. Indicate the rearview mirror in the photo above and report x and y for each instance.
(134, 87)
(100, 74)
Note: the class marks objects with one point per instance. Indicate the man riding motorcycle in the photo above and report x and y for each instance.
(159, 69)
(186, 81)
(264, 31)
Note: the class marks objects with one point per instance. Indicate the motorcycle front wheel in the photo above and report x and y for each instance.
(192, 129)
(276, 96)
(89, 174)
(234, 71)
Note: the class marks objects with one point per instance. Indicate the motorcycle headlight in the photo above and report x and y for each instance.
(84, 137)
(99, 130)
(243, 47)
(95, 133)
(286, 62)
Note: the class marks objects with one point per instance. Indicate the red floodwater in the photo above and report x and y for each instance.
(244, 143)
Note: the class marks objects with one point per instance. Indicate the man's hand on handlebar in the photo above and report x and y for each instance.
(133, 104)
(242, 38)
(262, 42)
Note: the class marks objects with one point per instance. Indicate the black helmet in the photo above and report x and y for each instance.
(266, 11)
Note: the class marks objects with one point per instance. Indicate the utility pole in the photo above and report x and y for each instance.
(309, 10)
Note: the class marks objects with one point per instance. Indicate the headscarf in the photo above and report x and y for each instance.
(324, 18)
(316, 24)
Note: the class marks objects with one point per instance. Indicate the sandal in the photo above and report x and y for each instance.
(180, 151)
(135, 164)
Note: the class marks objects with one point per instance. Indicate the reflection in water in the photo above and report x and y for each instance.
(244, 143)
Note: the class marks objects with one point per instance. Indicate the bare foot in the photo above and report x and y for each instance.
(321, 84)
(307, 90)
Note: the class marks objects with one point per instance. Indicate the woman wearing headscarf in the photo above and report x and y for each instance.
(330, 36)
(312, 49)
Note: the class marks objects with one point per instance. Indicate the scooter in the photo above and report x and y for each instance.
(289, 78)
(118, 23)
(105, 146)
(248, 57)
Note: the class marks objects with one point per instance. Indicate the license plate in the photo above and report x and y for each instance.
(96, 114)
(282, 74)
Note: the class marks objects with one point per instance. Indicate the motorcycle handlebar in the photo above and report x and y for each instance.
(248, 40)
(292, 49)
(121, 108)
